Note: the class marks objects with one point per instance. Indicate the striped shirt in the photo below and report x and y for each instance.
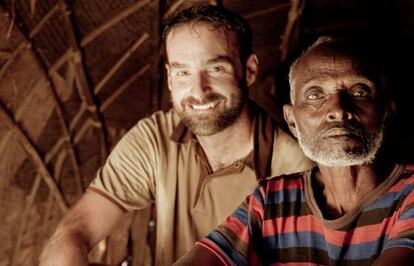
(280, 222)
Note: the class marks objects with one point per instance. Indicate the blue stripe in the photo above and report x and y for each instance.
(232, 255)
(283, 196)
(241, 215)
(407, 214)
(389, 198)
(315, 240)
(257, 194)
(401, 242)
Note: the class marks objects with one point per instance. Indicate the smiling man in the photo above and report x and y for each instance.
(356, 207)
(197, 161)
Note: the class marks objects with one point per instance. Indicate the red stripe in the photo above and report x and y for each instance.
(256, 207)
(310, 223)
(400, 185)
(212, 247)
(237, 228)
(253, 258)
(408, 200)
(285, 184)
(409, 167)
(402, 226)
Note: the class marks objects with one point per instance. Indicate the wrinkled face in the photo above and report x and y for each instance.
(205, 77)
(338, 115)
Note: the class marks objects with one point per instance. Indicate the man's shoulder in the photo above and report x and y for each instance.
(292, 176)
(409, 169)
(407, 175)
(163, 121)
(294, 180)
(162, 117)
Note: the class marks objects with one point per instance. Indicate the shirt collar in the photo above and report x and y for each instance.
(263, 136)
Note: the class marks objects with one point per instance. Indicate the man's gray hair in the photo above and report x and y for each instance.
(323, 40)
(365, 50)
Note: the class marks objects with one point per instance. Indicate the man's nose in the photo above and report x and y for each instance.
(338, 108)
(200, 85)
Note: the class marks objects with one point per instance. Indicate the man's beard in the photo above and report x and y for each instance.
(337, 154)
(210, 124)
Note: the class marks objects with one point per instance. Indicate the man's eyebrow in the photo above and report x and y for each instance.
(178, 65)
(220, 59)
(315, 79)
(356, 78)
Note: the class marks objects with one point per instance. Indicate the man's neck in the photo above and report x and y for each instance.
(229, 145)
(340, 189)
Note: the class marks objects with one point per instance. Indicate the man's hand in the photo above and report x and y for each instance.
(396, 256)
(89, 221)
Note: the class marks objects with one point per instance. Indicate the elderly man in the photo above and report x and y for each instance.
(197, 161)
(355, 207)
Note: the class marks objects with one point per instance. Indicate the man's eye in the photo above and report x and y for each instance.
(182, 73)
(360, 91)
(216, 69)
(314, 94)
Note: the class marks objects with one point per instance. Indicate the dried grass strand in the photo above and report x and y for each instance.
(121, 61)
(13, 57)
(84, 128)
(112, 21)
(24, 218)
(39, 26)
(123, 87)
(174, 7)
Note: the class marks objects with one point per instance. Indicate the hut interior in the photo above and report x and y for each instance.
(75, 75)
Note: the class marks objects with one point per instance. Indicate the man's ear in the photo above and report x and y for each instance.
(167, 67)
(290, 119)
(252, 68)
(392, 109)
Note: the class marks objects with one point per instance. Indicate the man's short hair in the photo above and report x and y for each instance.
(366, 52)
(218, 17)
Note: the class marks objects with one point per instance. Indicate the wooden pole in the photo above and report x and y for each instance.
(85, 92)
(266, 11)
(291, 30)
(34, 157)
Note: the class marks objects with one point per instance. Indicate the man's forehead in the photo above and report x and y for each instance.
(196, 28)
(200, 38)
(319, 60)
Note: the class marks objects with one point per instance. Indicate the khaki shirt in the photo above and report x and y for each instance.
(159, 161)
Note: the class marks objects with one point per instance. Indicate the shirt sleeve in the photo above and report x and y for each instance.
(237, 239)
(402, 232)
(127, 177)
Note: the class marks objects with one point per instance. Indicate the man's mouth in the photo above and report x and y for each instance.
(203, 107)
(338, 132)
